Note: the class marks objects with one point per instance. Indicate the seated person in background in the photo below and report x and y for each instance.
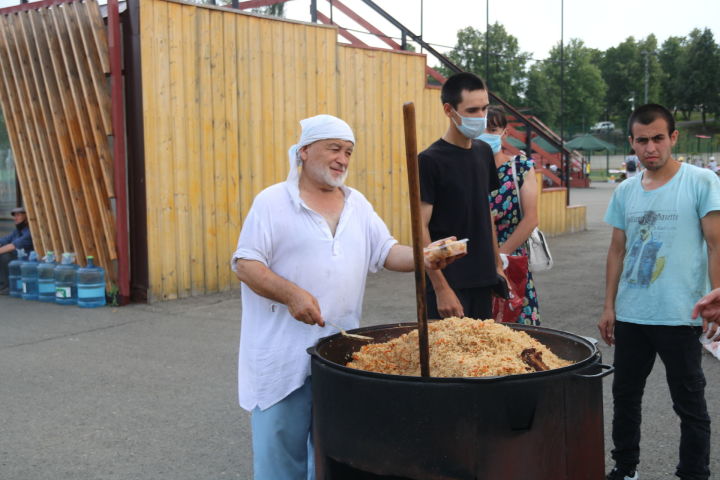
(9, 245)
(631, 164)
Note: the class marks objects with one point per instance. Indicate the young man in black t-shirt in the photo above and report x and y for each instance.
(457, 174)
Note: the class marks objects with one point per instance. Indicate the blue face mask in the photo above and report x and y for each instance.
(471, 127)
(495, 141)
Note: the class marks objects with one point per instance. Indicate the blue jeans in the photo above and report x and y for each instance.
(281, 438)
(679, 349)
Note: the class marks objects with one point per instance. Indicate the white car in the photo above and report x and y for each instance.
(603, 127)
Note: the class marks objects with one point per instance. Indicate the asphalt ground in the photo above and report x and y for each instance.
(149, 391)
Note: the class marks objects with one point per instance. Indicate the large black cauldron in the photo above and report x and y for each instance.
(544, 425)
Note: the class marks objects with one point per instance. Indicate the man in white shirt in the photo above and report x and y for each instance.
(303, 255)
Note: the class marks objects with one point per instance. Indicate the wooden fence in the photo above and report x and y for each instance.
(223, 93)
(56, 104)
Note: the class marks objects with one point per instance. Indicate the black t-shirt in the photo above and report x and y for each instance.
(457, 182)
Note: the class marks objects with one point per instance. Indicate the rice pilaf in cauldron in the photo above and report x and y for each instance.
(460, 347)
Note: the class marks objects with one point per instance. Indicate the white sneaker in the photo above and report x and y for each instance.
(616, 474)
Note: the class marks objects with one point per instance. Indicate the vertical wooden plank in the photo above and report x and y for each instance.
(256, 105)
(384, 93)
(71, 145)
(312, 61)
(151, 119)
(244, 114)
(191, 53)
(96, 51)
(98, 34)
(331, 47)
(218, 196)
(359, 122)
(49, 142)
(268, 100)
(207, 147)
(290, 116)
(178, 140)
(219, 180)
(398, 143)
(165, 160)
(373, 162)
(300, 56)
(232, 148)
(323, 78)
(280, 101)
(403, 211)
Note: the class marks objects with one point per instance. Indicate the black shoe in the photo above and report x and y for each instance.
(622, 474)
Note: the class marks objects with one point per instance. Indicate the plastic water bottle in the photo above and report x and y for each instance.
(29, 276)
(65, 276)
(91, 285)
(46, 278)
(15, 276)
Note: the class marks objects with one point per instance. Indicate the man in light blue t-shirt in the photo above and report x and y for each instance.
(663, 257)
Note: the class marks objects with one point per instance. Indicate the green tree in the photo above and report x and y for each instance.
(620, 66)
(584, 88)
(624, 72)
(702, 72)
(543, 93)
(672, 57)
(507, 64)
(276, 10)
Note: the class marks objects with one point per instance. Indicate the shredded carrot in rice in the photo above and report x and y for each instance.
(459, 347)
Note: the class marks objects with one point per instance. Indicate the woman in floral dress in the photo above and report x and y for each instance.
(512, 230)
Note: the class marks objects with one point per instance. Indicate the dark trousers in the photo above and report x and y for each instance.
(476, 302)
(679, 349)
(6, 258)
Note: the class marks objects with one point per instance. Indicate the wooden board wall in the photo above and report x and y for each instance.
(56, 103)
(223, 94)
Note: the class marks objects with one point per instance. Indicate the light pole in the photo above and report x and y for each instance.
(565, 160)
(487, 41)
(646, 54)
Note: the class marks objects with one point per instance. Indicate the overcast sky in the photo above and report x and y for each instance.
(535, 23)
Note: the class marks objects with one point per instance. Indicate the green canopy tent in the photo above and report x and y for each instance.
(589, 143)
(539, 141)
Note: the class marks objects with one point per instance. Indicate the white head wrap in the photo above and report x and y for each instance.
(319, 127)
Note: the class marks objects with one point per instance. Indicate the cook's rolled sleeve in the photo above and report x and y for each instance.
(254, 242)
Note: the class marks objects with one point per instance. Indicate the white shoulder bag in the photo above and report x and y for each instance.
(539, 257)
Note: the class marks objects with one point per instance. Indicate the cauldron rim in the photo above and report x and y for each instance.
(592, 358)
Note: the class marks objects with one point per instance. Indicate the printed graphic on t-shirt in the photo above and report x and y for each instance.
(645, 260)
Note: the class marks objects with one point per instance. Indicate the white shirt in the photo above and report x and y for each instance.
(295, 242)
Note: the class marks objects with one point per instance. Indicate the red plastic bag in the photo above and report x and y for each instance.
(508, 311)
